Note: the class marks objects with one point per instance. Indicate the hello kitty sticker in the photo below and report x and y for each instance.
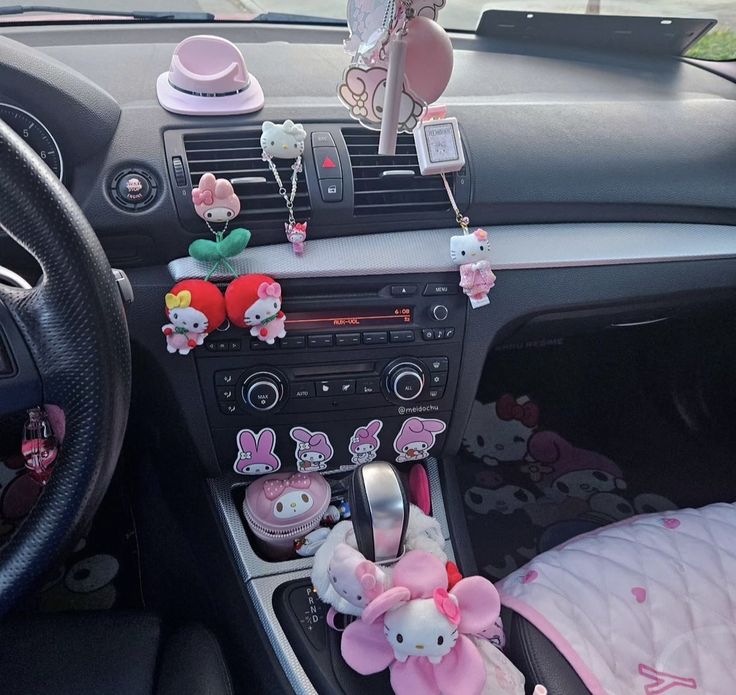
(364, 443)
(416, 438)
(256, 454)
(313, 450)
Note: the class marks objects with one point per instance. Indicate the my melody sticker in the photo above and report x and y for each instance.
(256, 452)
(416, 437)
(313, 450)
(364, 443)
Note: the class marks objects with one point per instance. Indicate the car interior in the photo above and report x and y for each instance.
(368, 349)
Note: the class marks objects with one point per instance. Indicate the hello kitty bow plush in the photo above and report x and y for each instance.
(419, 630)
(275, 488)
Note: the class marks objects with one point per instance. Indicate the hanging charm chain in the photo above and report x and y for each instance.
(462, 220)
(287, 196)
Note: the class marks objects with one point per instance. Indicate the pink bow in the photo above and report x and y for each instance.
(275, 488)
(446, 606)
(200, 197)
(269, 290)
(508, 409)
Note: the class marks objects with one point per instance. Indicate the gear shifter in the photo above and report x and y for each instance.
(380, 511)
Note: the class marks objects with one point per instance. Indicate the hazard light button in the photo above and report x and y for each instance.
(327, 163)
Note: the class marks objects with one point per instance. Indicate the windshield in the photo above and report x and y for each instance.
(462, 15)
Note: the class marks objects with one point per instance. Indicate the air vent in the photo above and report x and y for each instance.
(237, 154)
(378, 191)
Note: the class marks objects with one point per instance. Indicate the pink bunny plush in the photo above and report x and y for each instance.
(255, 452)
(215, 199)
(354, 578)
(420, 631)
(313, 449)
(416, 437)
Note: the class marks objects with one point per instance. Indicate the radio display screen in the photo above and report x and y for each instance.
(348, 318)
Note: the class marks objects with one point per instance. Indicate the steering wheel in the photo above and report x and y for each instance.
(63, 342)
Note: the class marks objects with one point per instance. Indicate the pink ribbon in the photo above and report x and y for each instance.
(200, 197)
(446, 606)
(275, 488)
(269, 290)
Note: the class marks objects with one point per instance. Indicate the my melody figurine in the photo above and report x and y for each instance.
(296, 235)
(194, 308)
(472, 253)
(254, 301)
(286, 141)
(216, 202)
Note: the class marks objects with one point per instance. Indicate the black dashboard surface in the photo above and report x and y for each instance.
(551, 136)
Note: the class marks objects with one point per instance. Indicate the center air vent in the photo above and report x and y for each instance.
(237, 154)
(391, 185)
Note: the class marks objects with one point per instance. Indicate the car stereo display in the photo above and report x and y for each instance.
(348, 318)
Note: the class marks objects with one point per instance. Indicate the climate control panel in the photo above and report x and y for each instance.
(398, 381)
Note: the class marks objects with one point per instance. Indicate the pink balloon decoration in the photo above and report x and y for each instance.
(429, 59)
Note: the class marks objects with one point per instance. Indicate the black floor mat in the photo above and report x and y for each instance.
(102, 572)
(572, 434)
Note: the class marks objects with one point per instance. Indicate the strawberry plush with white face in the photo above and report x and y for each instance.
(254, 301)
(194, 308)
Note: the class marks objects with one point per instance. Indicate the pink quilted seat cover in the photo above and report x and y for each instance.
(643, 607)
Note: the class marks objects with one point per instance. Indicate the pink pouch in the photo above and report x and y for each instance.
(282, 507)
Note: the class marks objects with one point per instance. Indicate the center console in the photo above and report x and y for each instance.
(357, 350)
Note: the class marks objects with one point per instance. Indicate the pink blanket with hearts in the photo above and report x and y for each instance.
(643, 607)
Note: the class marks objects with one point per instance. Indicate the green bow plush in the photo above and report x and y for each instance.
(221, 249)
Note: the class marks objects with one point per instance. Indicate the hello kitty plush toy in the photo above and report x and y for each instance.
(286, 141)
(472, 253)
(194, 308)
(355, 579)
(422, 632)
(254, 301)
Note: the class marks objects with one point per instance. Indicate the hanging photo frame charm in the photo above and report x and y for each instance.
(286, 141)
(471, 252)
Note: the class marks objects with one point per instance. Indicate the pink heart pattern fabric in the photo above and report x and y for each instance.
(641, 607)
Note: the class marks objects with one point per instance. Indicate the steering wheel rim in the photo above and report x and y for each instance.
(67, 338)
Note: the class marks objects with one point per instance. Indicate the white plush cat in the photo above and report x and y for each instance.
(473, 254)
(284, 140)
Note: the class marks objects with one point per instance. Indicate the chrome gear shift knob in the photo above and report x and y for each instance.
(380, 511)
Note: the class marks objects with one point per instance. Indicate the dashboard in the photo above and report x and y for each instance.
(605, 182)
(551, 135)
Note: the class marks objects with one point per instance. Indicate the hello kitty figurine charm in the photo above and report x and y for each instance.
(286, 141)
(254, 301)
(472, 253)
(296, 235)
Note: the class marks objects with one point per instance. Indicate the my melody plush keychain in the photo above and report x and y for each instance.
(401, 62)
(286, 141)
(216, 203)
